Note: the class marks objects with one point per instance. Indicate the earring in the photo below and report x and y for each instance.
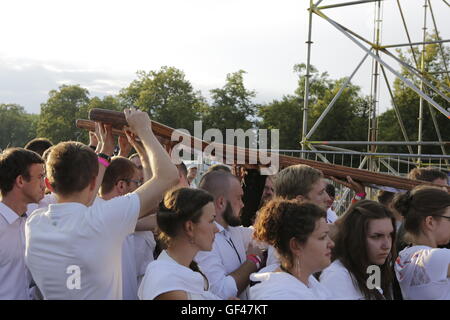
(297, 266)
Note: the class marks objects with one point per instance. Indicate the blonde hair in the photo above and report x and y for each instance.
(296, 180)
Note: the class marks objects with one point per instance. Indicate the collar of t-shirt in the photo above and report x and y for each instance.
(9, 214)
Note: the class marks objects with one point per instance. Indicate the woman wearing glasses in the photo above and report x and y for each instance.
(423, 269)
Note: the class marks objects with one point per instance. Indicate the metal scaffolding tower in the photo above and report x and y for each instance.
(377, 51)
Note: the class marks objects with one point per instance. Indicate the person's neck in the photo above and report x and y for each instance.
(81, 197)
(182, 252)
(301, 274)
(425, 240)
(109, 196)
(15, 203)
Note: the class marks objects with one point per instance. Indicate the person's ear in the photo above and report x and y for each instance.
(189, 229)
(20, 181)
(295, 247)
(220, 203)
(429, 223)
(301, 198)
(48, 185)
(121, 186)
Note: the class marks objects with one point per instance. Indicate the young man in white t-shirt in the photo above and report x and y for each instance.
(73, 250)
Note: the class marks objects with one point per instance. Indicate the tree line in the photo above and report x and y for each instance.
(171, 99)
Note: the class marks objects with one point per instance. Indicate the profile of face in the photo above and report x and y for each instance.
(318, 194)
(379, 240)
(315, 253)
(234, 203)
(205, 229)
(192, 173)
(442, 228)
(268, 191)
(34, 189)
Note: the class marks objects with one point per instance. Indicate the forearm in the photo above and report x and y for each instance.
(165, 174)
(147, 223)
(242, 274)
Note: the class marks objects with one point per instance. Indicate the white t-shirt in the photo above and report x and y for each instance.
(74, 251)
(284, 286)
(331, 216)
(165, 275)
(337, 279)
(144, 246)
(422, 273)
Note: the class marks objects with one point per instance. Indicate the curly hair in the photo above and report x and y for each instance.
(281, 220)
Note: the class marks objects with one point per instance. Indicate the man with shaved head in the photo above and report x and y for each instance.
(232, 259)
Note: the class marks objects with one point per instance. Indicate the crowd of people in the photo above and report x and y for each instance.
(79, 222)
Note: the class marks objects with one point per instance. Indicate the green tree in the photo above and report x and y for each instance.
(286, 116)
(232, 105)
(58, 114)
(167, 96)
(408, 101)
(346, 121)
(18, 127)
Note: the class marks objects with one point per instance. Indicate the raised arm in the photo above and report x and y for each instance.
(165, 174)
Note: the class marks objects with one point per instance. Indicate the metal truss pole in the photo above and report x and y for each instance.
(422, 69)
(308, 75)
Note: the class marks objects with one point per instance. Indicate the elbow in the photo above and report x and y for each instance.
(172, 177)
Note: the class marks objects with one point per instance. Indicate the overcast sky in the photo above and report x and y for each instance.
(100, 44)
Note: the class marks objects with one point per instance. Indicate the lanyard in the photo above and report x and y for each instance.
(230, 242)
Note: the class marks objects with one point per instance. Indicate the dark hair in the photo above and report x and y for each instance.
(71, 166)
(351, 246)
(253, 187)
(218, 167)
(179, 206)
(331, 190)
(281, 220)
(419, 203)
(15, 162)
(385, 197)
(38, 145)
(120, 168)
(426, 174)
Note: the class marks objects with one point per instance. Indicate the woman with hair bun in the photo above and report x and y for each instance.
(186, 221)
(365, 238)
(299, 233)
(423, 269)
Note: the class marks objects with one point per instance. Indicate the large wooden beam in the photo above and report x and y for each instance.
(118, 121)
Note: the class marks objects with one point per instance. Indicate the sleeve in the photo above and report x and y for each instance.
(119, 215)
(340, 285)
(437, 264)
(220, 283)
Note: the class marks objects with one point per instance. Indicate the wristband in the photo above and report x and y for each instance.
(105, 156)
(255, 259)
(103, 161)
